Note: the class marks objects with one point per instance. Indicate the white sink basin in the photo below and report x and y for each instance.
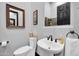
(50, 46)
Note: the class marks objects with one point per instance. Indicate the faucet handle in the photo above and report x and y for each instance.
(56, 40)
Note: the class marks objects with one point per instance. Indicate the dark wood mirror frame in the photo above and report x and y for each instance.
(8, 19)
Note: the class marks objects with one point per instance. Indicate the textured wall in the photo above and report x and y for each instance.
(20, 37)
(17, 37)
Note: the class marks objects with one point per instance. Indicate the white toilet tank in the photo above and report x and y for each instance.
(32, 42)
(27, 50)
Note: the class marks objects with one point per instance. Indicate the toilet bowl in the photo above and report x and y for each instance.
(28, 50)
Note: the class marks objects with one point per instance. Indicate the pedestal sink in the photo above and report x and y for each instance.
(51, 46)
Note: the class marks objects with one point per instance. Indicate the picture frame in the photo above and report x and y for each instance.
(35, 17)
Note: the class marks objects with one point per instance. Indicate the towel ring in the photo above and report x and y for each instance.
(72, 32)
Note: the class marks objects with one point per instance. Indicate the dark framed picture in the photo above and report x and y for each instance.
(35, 17)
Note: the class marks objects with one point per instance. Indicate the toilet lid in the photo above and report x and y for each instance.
(22, 50)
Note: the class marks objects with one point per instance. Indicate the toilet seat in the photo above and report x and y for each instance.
(22, 50)
(27, 50)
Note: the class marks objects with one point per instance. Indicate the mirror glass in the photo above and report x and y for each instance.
(57, 14)
(14, 16)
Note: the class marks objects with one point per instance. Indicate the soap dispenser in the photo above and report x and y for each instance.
(61, 40)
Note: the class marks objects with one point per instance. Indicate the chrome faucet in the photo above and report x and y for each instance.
(50, 37)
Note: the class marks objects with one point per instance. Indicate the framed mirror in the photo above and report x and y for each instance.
(15, 17)
(56, 14)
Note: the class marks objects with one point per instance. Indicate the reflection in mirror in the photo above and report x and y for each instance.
(15, 17)
(50, 21)
(57, 14)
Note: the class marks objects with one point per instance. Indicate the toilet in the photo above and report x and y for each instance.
(28, 50)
